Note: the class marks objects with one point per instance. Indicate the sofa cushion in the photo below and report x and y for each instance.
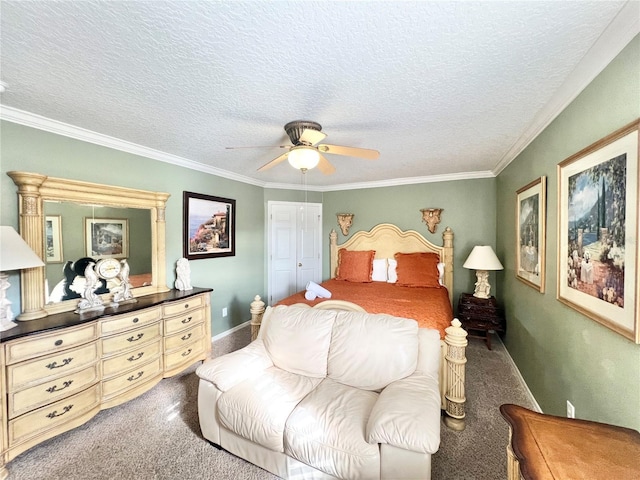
(228, 370)
(370, 351)
(257, 409)
(407, 414)
(297, 339)
(327, 431)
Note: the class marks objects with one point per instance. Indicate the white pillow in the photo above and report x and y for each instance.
(379, 270)
(392, 276)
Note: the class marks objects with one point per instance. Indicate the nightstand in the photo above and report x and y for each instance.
(481, 315)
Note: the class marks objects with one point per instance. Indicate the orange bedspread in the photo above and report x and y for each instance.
(429, 306)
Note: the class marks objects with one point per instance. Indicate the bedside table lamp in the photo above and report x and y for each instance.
(482, 258)
(15, 254)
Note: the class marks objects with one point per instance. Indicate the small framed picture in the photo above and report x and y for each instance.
(531, 224)
(209, 226)
(106, 237)
(598, 221)
(53, 238)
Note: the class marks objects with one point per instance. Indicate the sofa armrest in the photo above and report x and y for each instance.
(230, 369)
(407, 415)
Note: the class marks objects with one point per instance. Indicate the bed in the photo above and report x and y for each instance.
(426, 297)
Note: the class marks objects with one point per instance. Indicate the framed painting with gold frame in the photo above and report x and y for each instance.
(598, 232)
(531, 219)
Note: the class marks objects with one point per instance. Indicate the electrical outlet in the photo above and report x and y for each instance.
(224, 312)
(571, 410)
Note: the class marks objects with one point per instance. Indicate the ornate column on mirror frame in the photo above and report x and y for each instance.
(30, 209)
(161, 227)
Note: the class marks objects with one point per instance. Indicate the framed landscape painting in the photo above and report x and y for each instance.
(531, 224)
(53, 238)
(209, 226)
(598, 221)
(106, 237)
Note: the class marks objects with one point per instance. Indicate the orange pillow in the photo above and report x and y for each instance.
(417, 269)
(355, 266)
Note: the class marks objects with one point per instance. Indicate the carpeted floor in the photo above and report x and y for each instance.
(157, 436)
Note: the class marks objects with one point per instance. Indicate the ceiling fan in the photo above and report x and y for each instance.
(306, 152)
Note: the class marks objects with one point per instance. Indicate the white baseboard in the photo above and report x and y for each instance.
(524, 384)
(230, 331)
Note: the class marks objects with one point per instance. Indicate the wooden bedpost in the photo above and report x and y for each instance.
(447, 243)
(333, 254)
(257, 309)
(456, 340)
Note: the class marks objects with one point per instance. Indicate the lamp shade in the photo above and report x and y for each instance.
(482, 257)
(303, 157)
(15, 254)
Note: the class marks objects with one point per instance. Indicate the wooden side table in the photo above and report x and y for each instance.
(545, 447)
(481, 315)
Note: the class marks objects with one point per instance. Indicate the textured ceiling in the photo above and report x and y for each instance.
(439, 88)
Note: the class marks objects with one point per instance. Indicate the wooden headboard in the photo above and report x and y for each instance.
(387, 239)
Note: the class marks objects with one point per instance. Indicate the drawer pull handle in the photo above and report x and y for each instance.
(56, 389)
(187, 320)
(135, 338)
(136, 320)
(55, 413)
(133, 379)
(137, 357)
(186, 305)
(58, 343)
(65, 362)
(186, 337)
(188, 352)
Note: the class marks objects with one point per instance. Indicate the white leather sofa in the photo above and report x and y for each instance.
(328, 394)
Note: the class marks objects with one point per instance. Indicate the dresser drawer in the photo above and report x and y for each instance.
(181, 322)
(126, 322)
(187, 355)
(132, 378)
(176, 308)
(184, 338)
(130, 339)
(33, 397)
(128, 360)
(53, 415)
(35, 346)
(43, 368)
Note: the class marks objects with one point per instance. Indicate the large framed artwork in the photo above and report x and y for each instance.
(53, 238)
(106, 237)
(531, 224)
(209, 226)
(598, 221)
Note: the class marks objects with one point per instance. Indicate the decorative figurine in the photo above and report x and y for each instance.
(123, 294)
(345, 220)
(183, 273)
(431, 216)
(90, 300)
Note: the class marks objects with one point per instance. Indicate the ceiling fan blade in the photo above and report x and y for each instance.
(259, 146)
(311, 136)
(325, 166)
(273, 162)
(350, 151)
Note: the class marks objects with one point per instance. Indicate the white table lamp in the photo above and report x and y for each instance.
(15, 254)
(482, 259)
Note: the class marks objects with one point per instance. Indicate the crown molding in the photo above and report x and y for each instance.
(618, 34)
(33, 120)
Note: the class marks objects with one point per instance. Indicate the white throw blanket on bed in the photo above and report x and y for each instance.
(316, 291)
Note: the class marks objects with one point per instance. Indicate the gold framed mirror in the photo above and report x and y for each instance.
(36, 192)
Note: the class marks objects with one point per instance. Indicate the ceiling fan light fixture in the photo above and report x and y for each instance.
(303, 157)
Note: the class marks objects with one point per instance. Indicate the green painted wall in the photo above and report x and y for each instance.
(235, 280)
(562, 354)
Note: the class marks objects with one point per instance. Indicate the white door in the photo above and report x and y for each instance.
(294, 247)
